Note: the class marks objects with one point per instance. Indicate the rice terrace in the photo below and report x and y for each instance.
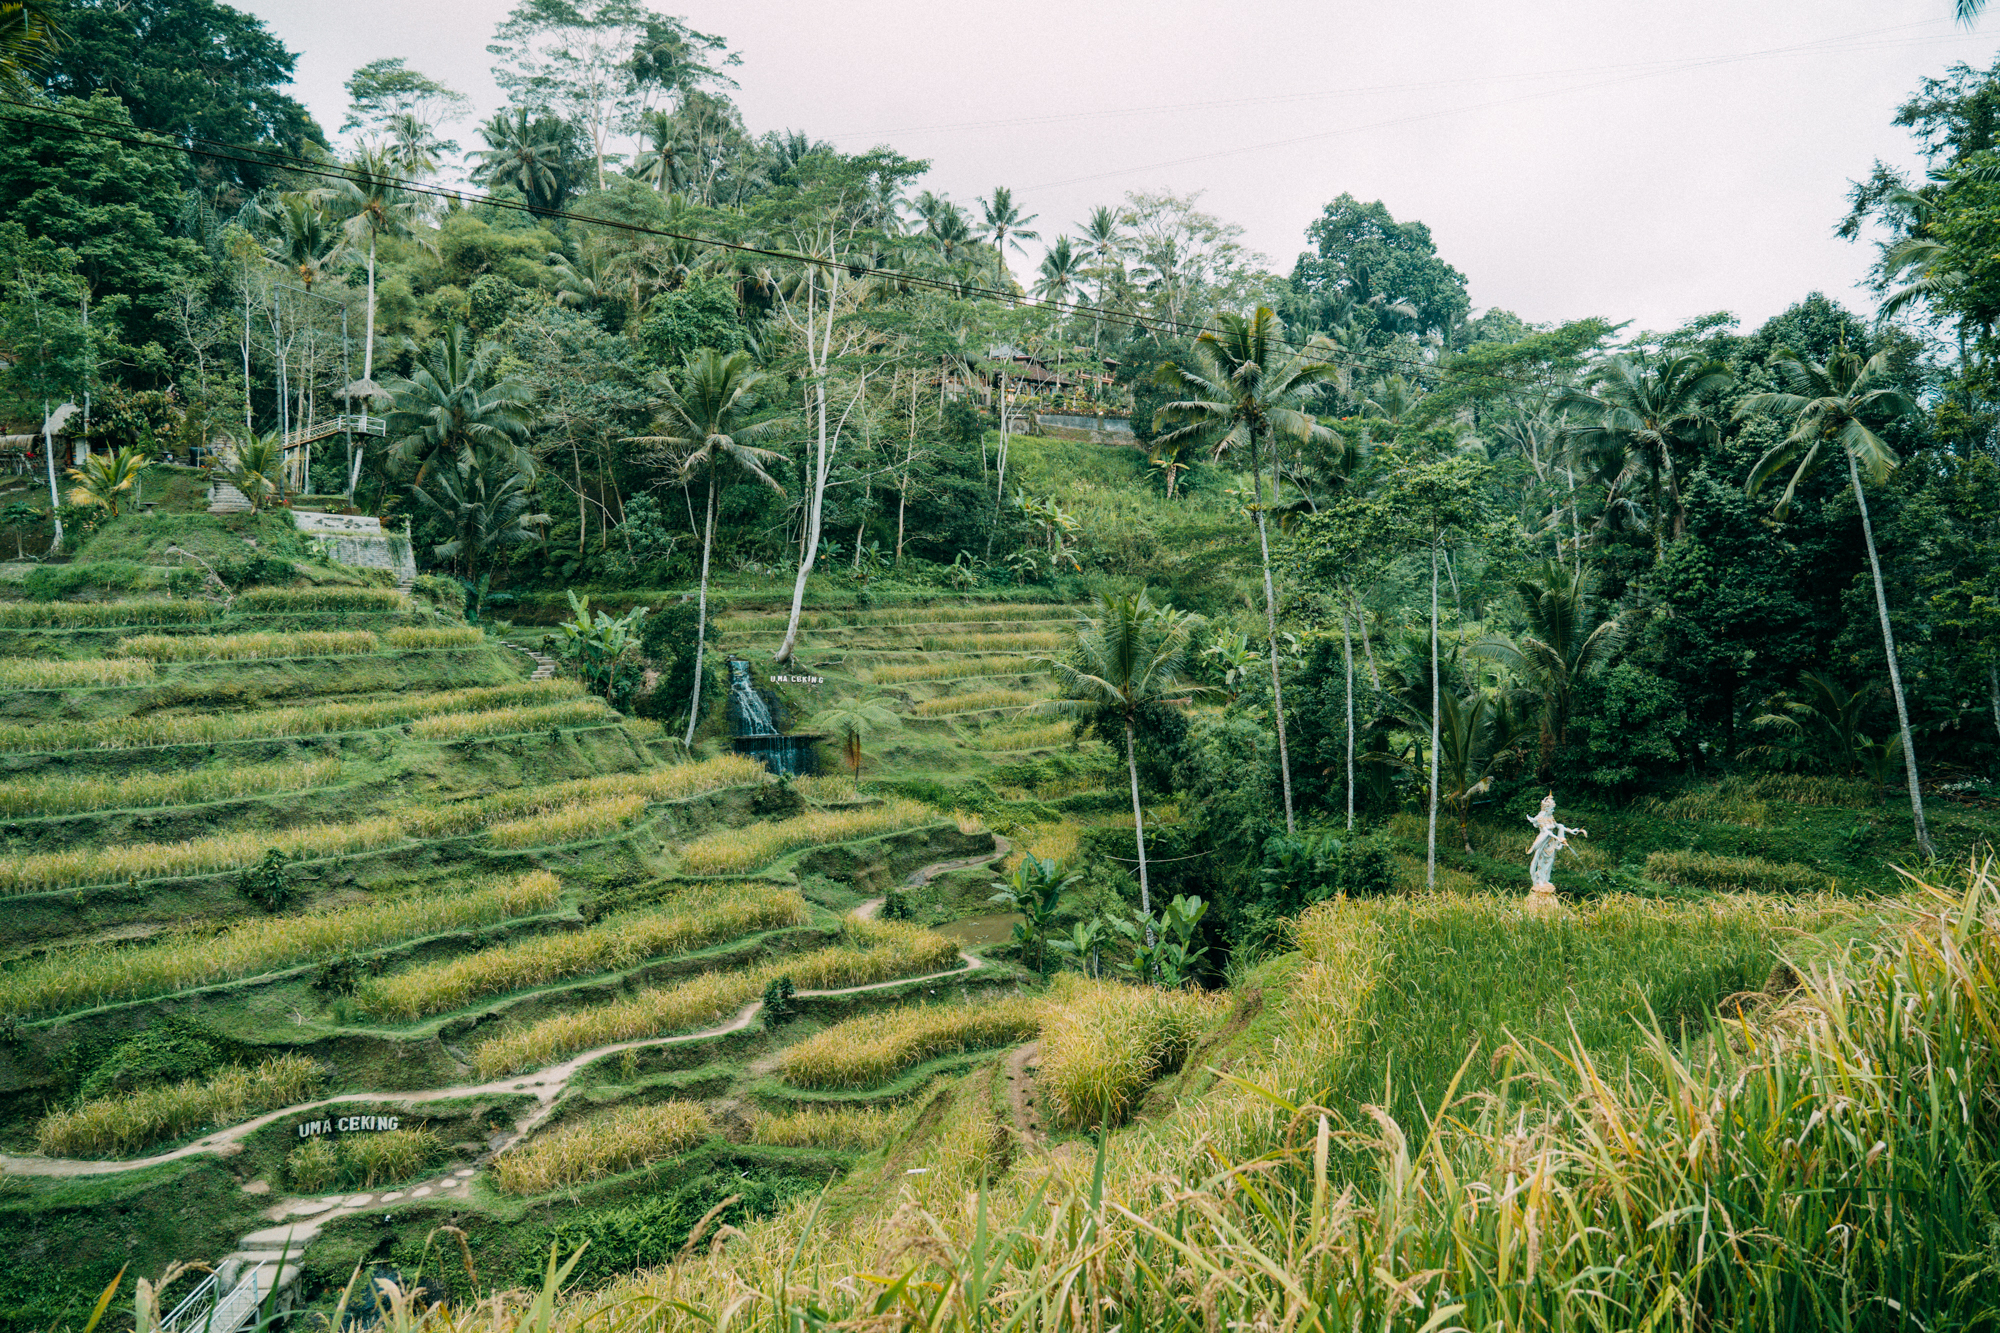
(619, 718)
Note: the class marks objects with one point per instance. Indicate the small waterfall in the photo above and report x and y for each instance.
(756, 733)
(752, 716)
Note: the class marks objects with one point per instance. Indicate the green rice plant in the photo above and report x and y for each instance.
(623, 1139)
(1034, 641)
(197, 856)
(512, 721)
(840, 1127)
(650, 1013)
(98, 615)
(948, 669)
(130, 1121)
(100, 973)
(737, 851)
(570, 824)
(67, 795)
(1748, 874)
(870, 1050)
(644, 729)
(975, 701)
(85, 673)
(269, 723)
(677, 783)
(248, 647)
(1027, 738)
(387, 1156)
(827, 788)
(281, 600)
(444, 636)
(695, 920)
(1104, 1043)
(313, 1166)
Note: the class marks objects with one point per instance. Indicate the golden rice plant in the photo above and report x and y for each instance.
(736, 851)
(571, 824)
(444, 636)
(97, 615)
(314, 1166)
(651, 1013)
(197, 856)
(282, 600)
(693, 921)
(661, 784)
(1745, 873)
(86, 673)
(644, 729)
(248, 647)
(388, 1156)
(872, 1049)
(67, 795)
(311, 720)
(1028, 738)
(509, 721)
(827, 788)
(1103, 1043)
(100, 973)
(950, 669)
(976, 701)
(130, 1121)
(828, 1127)
(1032, 641)
(623, 1139)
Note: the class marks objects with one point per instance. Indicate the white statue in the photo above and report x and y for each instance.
(1550, 838)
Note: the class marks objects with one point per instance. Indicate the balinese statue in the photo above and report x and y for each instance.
(1550, 838)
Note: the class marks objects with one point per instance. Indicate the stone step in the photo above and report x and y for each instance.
(223, 498)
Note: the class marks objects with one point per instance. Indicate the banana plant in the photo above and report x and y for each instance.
(1035, 890)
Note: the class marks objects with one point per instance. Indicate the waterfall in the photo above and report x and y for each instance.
(755, 733)
(753, 715)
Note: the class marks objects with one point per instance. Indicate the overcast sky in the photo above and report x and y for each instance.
(1642, 162)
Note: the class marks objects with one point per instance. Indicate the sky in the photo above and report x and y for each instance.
(1649, 163)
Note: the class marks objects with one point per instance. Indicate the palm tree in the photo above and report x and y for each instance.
(256, 468)
(1243, 392)
(1003, 225)
(1827, 405)
(702, 417)
(1643, 409)
(853, 723)
(1566, 641)
(486, 499)
(381, 208)
(28, 34)
(303, 241)
(1062, 269)
(102, 479)
(1133, 656)
(454, 405)
(536, 156)
(663, 159)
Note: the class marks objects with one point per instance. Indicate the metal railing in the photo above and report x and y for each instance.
(199, 1297)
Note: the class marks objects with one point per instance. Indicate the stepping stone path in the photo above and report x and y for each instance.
(545, 666)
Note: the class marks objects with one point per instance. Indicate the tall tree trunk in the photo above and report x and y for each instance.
(1993, 691)
(1271, 625)
(1139, 833)
(1895, 671)
(701, 612)
(815, 506)
(1347, 651)
(999, 464)
(1431, 835)
(368, 334)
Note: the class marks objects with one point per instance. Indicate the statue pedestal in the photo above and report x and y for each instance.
(1542, 898)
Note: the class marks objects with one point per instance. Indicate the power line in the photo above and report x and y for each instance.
(251, 155)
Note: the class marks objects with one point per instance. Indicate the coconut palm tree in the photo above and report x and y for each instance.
(380, 207)
(1061, 271)
(703, 412)
(1004, 225)
(1568, 639)
(1243, 392)
(256, 468)
(1639, 410)
(1829, 406)
(103, 479)
(303, 242)
(853, 723)
(456, 404)
(536, 155)
(1133, 656)
(487, 500)
(29, 33)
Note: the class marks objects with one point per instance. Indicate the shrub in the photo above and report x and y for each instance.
(282, 600)
(735, 851)
(64, 795)
(248, 647)
(97, 615)
(1103, 1043)
(99, 973)
(619, 1140)
(867, 1051)
(110, 1126)
(446, 636)
(1745, 873)
(53, 583)
(87, 673)
(698, 919)
(848, 1127)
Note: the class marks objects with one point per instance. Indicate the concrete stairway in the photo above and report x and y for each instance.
(224, 498)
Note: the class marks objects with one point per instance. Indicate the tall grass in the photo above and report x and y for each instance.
(362, 1161)
(572, 823)
(1027, 738)
(1749, 874)
(311, 720)
(620, 1140)
(677, 783)
(1103, 1043)
(86, 673)
(99, 615)
(870, 1050)
(848, 1127)
(279, 600)
(68, 795)
(248, 647)
(947, 669)
(444, 636)
(695, 920)
(508, 721)
(130, 1121)
(98, 974)
(737, 851)
(975, 701)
